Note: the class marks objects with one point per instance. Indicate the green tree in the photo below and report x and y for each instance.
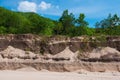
(58, 29)
(48, 27)
(110, 21)
(82, 26)
(109, 26)
(67, 21)
(20, 23)
(3, 30)
(40, 25)
(81, 22)
(12, 30)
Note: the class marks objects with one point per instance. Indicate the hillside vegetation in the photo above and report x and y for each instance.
(28, 22)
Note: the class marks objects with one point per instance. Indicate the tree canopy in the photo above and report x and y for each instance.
(68, 24)
(109, 26)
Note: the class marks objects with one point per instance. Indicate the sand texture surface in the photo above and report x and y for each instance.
(25, 75)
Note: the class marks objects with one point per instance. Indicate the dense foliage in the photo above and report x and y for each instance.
(29, 22)
(20, 23)
(109, 26)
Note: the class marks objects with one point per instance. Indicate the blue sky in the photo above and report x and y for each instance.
(95, 10)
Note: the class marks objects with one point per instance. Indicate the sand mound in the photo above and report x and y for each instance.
(12, 52)
(27, 69)
(66, 54)
(104, 52)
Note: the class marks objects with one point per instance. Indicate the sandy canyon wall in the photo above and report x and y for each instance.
(54, 45)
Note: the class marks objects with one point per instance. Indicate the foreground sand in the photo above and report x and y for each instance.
(36, 75)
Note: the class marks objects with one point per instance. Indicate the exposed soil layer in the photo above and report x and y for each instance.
(54, 45)
(56, 49)
(62, 67)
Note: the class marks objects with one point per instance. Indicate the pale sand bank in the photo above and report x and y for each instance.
(37, 75)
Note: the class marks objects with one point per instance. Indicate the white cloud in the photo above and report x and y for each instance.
(44, 6)
(26, 6)
(41, 8)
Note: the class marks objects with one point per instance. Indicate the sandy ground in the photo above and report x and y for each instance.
(36, 75)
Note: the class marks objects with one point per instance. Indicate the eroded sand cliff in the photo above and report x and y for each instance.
(58, 54)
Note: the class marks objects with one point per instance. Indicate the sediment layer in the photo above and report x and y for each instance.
(63, 66)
